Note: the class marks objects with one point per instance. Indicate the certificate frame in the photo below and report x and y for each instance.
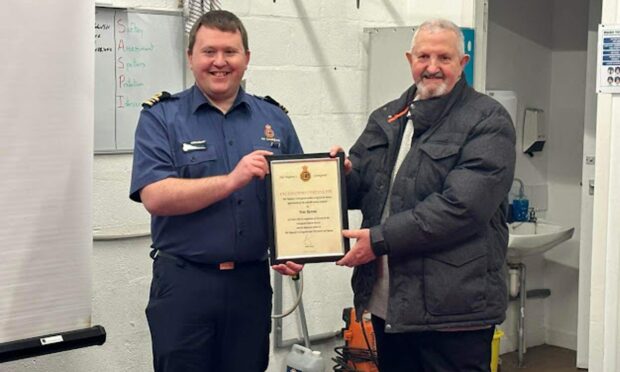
(306, 208)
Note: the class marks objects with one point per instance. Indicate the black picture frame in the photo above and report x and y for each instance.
(302, 160)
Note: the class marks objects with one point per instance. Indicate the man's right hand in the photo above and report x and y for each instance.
(348, 166)
(252, 165)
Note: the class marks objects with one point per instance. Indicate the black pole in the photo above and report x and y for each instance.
(52, 343)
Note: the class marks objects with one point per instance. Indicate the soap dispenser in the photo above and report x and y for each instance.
(520, 205)
(520, 209)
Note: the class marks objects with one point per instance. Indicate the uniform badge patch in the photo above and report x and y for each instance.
(270, 136)
(269, 133)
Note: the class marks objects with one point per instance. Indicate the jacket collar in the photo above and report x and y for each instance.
(426, 112)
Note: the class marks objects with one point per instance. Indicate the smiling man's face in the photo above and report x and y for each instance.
(218, 61)
(436, 63)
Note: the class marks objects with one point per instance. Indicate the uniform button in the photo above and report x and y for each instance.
(193, 159)
(240, 232)
(240, 201)
(388, 327)
(230, 142)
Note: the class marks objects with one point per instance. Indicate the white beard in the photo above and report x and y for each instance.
(426, 92)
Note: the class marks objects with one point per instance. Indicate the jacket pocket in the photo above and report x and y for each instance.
(436, 161)
(439, 150)
(455, 281)
(376, 142)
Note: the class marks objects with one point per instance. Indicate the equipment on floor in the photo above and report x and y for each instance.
(303, 359)
(300, 358)
(359, 353)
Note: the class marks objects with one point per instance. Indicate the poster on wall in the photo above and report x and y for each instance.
(608, 59)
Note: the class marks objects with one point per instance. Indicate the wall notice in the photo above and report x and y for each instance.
(608, 63)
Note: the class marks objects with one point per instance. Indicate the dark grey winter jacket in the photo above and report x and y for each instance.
(446, 237)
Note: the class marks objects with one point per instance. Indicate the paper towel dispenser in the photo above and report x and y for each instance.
(508, 99)
(534, 133)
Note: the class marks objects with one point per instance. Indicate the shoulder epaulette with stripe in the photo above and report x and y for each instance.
(161, 96)
(274, 102)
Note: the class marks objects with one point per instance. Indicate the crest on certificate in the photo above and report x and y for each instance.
(305, 174)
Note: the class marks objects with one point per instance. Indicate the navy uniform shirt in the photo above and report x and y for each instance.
(185, 136)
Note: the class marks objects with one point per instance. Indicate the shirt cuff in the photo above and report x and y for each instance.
(377, 244)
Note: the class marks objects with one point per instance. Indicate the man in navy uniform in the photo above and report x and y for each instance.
(199, 166)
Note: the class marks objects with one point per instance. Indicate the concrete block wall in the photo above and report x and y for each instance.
(309, 55)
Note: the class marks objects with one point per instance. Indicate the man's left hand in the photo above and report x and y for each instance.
(289, 268)
(361, 252)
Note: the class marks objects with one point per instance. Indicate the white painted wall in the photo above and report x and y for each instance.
(310, 56)
(538, 49)
(510, 59)
(565, 146)
(587, 200)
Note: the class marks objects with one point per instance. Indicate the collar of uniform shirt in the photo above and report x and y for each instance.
(199, 99)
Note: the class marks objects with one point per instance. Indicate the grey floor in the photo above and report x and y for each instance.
(543, 358)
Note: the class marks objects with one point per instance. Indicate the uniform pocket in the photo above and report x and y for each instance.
(455, 281)
(267, 147)
(160, 287)
(197, 163)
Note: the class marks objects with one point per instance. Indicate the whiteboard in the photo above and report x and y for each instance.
(137, 54)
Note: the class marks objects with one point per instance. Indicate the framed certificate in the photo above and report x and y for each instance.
(306, 208)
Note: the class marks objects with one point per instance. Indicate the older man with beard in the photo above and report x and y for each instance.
(431, 174)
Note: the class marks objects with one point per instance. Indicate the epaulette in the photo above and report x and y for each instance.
(274, 102)
(161, 96)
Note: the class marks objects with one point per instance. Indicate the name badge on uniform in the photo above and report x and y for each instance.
(270, 137)
(194, 146)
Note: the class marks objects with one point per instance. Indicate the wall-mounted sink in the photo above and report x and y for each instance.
(529, 238)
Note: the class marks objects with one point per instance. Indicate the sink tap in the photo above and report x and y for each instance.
(532, 216)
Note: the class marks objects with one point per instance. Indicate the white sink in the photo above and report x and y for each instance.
(529, 238)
